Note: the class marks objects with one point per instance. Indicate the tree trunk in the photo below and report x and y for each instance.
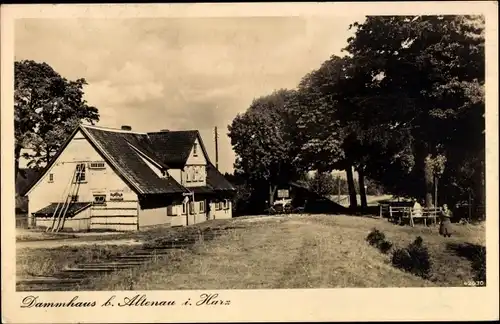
(362, 191)
(353, 202)
(17, 156)
(429, 181)
(272, 191)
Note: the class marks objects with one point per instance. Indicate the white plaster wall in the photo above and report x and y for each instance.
(222, 213)
(178, 220)
(78, 150)
(154, 216)
(176, 174)
(199, 158)
(200, 218)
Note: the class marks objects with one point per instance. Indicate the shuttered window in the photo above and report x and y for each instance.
(99, 199)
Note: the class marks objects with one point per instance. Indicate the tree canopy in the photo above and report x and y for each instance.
(430, 86)
(263, 140)
(404, 108)
(47, 107)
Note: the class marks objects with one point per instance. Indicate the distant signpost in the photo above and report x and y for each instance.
(283, 193)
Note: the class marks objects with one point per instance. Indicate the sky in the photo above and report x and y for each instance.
(182, 73)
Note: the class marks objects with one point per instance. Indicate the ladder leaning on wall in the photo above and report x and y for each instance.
(59, 215)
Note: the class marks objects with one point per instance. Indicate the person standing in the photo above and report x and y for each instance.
(208, 209)
(445, 219)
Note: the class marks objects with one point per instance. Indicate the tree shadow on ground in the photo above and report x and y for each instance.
(476, 254)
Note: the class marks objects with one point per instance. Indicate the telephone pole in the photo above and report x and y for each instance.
(216, 149)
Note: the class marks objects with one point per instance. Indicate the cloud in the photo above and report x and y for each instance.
(181, 73)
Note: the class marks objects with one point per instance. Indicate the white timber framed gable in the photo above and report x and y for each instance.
(194, 173)
(94, 180)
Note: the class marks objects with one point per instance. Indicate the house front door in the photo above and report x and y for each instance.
(207, 209)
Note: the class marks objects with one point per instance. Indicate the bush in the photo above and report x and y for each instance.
(479, 264)
(375, 238)
(414, 259)
(385, 246)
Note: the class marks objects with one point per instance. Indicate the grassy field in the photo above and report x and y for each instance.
(280, 252)
(46, 262)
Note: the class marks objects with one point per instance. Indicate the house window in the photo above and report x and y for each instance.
(226, 204)
(201, 175)
(195, 149)
(99, 199)
(170, 211)
(164, 173)
(97, 165)
(80, 172)
(74, 198)
(202, 206)
(51, 177)
(184, 208)
(196, 174)
(188, 174)
(218, 205)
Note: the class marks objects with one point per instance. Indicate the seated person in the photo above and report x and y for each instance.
(417, 209)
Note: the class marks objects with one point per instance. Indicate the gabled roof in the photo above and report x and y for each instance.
(171, 147)
(115, 146)
(216, 180)
(125, 152)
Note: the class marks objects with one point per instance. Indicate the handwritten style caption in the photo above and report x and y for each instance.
(139, 300)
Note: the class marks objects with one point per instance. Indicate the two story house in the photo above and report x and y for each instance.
(119, 179)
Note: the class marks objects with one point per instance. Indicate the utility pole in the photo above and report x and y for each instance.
(216, 149)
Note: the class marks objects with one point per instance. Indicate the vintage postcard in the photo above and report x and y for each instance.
(249, 162)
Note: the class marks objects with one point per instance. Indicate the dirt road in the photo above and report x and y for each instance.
(48, 244)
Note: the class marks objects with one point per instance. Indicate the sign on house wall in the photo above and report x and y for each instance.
(283, 193)
(116, 195)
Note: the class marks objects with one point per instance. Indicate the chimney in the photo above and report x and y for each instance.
(126, 128)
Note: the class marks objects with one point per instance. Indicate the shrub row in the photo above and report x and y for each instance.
(415, 258)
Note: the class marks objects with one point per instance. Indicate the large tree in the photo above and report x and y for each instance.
(422, 76)
(264, 142)
(47, 107)
(322, 136)
(336, 136)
